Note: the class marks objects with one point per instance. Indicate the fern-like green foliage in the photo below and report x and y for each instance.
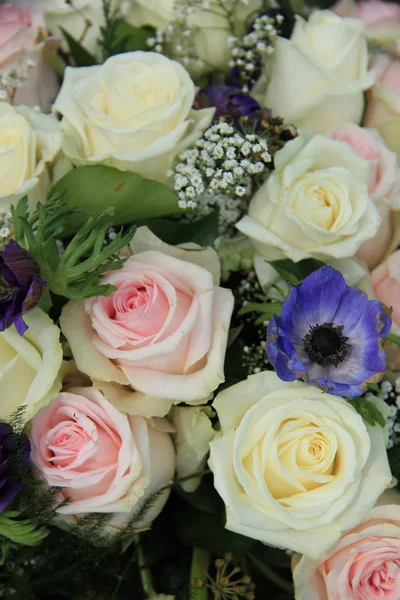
(78, 271)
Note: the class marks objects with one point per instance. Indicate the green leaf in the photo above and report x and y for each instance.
(392, 337)
(129, 38)
(81, 57)
(294, 272)
(20, 531)
(273, 557)
(94, 189)
(204, 231)
(368, 411)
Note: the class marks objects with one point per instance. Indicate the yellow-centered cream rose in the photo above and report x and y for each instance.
(29, 141)
(134, 113)
(293, 465)
(314, 204)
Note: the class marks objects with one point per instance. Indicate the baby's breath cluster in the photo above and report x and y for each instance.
(390, 393)
(219, 170)
(6, 227)
(13, 78)
(249, 52)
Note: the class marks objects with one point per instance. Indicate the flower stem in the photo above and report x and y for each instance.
(279, 581)
(200, 562)
(145, 573)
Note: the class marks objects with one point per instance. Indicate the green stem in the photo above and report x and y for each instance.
(200, 563)
(392, 337)
(145, 573)
(279, 581)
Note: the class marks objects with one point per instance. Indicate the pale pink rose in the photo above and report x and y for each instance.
(383, 101)
(102, 459)
(364, 564)
(386, 286)
(23, 38)
(164, 331)
(382, 19)
(384, 186)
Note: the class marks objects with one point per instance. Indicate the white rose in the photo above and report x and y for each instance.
(134, 112)
(294, 466)
(29, 141)
(29, 365)
(314, 204)
(317, 78)
(82, 19)
(209, 28)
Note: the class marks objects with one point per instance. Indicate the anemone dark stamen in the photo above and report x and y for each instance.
(326, 345)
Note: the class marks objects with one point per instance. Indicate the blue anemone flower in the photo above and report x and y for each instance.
(329, 334)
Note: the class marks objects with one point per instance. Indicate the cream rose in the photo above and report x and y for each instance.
(81, 18)
(317, 78)
(29, 365)
(314, 204)
(164, 331)
(133, 112)
(103, 460)
(29, 142)
(294, 465)
(209, 27)
(364, 564)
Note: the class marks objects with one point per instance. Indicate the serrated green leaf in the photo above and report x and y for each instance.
(94, 189)
(81, 57)
(19, 531)
(294, 272)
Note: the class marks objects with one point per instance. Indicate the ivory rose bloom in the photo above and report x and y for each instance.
(103, 460)
(314, 204)
(134, 112)
(23, 38)
(209, 26)
(364, 564)
(384, 187)
(164, 331)
(319, 76)
(29, 141)
(386, 286)
(294, 465)
(383, 105)
(29, 365)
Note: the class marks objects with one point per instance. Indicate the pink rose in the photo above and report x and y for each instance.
(384, 186)
(164, 330)
(382, 19)
(22, 39)
(386, 286)
(103, 460)
(364, 564)
(383, 102)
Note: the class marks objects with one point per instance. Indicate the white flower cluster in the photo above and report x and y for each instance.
(248, 53)
(13, 78)
(391, 395)
(218, 171)
(6, 227)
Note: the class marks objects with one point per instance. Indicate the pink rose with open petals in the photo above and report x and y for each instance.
(384, 186)
(24, 46)
(103, 460)
(163, 331)
(364, 564)
(386, 286)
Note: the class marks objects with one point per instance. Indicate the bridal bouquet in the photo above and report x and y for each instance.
(199, 300)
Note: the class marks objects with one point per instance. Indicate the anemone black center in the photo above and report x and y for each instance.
(326, 345)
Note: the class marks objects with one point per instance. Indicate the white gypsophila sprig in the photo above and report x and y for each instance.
(249, 52)
(218, 171)
(13, 78)
(6, 227)
(390, 394)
